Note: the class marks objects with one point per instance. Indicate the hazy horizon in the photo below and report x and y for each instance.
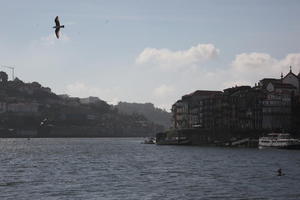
(149, 51)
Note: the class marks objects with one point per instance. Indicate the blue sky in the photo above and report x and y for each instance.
(149, 51)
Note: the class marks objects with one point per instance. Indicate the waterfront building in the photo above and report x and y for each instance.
(187, 112)
(271, 105)
(281, 102)
(288, 83)
(276, 109)
(292, 79)
(242, 107)
(179, 115)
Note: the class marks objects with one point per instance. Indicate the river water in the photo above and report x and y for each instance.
(119, 168)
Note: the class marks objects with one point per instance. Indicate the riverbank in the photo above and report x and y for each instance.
(226, 138)
(73, 131)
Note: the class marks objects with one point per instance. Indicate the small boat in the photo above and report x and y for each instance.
(279, 140)
(175, 140)
(151, 140)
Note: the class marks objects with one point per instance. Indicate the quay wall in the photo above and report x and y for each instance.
(206, 137)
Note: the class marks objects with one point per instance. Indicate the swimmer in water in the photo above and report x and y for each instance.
(279, 172)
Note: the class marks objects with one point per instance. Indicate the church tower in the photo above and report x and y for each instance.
(292, 79)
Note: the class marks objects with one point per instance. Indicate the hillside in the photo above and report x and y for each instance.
(31, 110)
(156, 115)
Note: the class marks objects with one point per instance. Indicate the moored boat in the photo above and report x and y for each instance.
(279, 140)
(150, 141)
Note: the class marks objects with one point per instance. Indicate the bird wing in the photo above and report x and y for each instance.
(57, 21)
(57, 32)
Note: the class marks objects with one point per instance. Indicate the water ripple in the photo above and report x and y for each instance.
(107, 168)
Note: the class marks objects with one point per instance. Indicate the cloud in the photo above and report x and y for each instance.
(168, 59)
(244, 69)
(291, 60)
(163, 91)
(250, 67)
(253, 61)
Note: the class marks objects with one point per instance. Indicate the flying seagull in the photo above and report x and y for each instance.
(57, 26)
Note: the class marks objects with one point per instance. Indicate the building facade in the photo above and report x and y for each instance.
(266, 106)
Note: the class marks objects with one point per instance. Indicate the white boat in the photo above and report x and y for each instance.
(279, 140)
(150, 141)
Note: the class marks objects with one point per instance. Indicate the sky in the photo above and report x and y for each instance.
(149, 51)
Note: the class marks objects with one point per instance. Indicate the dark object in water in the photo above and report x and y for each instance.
(279, 172)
